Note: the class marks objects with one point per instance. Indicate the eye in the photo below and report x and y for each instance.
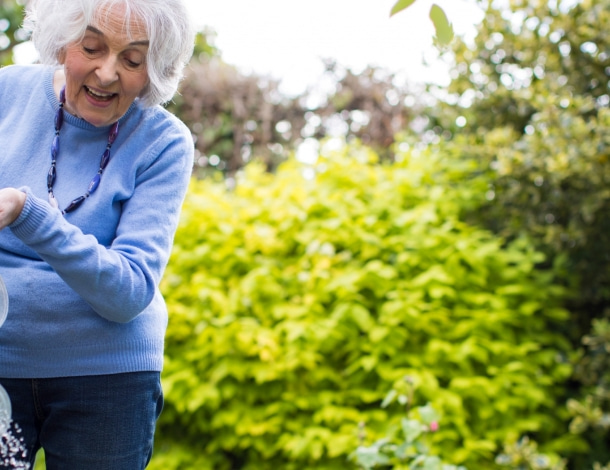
(133, 60)
(88, 50)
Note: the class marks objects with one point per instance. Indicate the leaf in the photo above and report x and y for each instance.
(369, 457)
(362, 317)
(412, 429)
(428, 414)
(389, 398)
(401, 5)
(444, 30)
(432, 463)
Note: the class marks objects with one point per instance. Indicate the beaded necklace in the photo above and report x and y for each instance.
(51, 175)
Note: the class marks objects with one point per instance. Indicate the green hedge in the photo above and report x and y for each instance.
(298, 299)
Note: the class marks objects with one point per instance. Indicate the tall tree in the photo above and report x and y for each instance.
(236, 117)
(533, 96)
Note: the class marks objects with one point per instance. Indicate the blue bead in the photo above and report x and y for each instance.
(74, 204)
(105, 159)
(55, 147)
(59, 119)
(51, 176)
(114, 131)
(95, 182)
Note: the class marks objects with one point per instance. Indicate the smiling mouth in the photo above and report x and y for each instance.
(98, 95)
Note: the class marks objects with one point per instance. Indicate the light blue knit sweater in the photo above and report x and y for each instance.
(83, 288)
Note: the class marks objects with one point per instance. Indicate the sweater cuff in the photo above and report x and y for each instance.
(33, 213)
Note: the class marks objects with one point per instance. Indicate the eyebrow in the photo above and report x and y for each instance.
(134, 43)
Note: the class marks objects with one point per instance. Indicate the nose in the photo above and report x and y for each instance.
(107, 70)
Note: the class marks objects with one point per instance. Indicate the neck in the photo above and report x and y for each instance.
(59, 81)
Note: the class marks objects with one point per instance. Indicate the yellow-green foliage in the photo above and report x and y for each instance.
(298, 299)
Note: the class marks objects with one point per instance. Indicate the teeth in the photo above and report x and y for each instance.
(99, 95)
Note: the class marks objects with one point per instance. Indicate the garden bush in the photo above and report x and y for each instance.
(298, 299)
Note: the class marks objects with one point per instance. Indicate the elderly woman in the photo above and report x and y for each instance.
(93, 174)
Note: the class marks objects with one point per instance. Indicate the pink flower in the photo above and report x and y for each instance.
(434, 426)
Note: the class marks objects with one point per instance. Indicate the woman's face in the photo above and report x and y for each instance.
(106, 71)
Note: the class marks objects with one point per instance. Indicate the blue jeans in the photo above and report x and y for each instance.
(104, 422)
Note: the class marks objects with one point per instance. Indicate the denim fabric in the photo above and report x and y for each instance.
(104, 422)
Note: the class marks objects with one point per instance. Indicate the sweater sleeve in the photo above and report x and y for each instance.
(117, 281)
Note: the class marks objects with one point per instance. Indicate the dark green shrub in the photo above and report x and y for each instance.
(591, 417)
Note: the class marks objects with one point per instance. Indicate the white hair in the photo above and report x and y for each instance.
(55, 24)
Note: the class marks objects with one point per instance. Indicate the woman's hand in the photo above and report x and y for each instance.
(11, 204)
